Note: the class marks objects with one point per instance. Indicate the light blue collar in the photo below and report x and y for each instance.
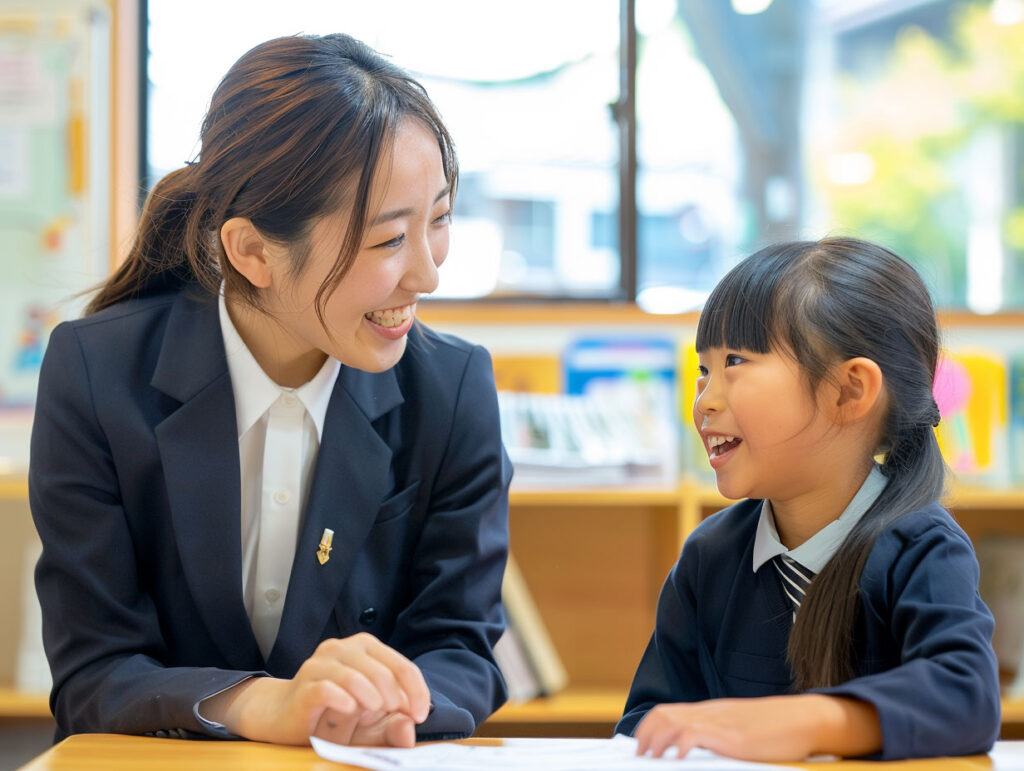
(817, 550)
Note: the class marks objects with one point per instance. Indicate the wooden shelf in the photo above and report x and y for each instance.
(706, 496)
(975, 497)
(596, 496)
(16, 704)
(576, 705)
(600, 709)
(519, 311)
(13, 487)
(593, 711)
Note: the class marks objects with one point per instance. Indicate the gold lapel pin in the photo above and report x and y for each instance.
(324, 552)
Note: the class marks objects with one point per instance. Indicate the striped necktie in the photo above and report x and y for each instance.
(795, 579)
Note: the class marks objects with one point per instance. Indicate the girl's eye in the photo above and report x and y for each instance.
(732, 360)
(391, 243)
(444, 219)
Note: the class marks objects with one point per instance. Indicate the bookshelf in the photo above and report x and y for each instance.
(594, 560)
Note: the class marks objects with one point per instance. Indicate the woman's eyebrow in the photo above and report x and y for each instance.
(395, 214)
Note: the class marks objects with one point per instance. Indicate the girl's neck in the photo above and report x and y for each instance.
(800, 517)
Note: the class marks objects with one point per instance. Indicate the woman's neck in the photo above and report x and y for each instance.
(285, 359)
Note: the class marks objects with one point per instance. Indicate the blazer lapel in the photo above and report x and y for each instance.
(199, 448)
(351, 478)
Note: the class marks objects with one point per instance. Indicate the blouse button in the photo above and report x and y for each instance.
(282, 496)
(368, 616)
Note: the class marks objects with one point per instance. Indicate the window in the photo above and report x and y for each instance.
(900, 121)
(523, 87)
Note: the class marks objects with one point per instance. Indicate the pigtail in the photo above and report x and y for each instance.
(821, 642)
(170, 247)
(905, 346)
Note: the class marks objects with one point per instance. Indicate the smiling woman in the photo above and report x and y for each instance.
(271, 506)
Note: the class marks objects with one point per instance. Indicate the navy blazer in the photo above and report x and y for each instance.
(922, 644)
(134, 486)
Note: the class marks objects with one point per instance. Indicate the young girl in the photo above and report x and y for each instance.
(270, 506)
(835, 610)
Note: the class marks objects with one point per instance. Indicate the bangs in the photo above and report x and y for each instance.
(745, 310)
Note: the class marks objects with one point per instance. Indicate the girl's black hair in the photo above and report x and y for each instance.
(825, 302)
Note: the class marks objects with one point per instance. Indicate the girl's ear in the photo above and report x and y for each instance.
(860, 384)
(247, 251)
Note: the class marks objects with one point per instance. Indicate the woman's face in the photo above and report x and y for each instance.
(371, 311)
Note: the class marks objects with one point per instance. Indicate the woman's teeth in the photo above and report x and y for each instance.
(393, 317)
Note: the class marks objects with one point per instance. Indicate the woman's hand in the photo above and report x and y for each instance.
(355, 690)
(771, 728)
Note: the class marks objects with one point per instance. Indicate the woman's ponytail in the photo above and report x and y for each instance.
(170, 246)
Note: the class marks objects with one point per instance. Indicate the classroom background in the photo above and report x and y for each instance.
(617, 156)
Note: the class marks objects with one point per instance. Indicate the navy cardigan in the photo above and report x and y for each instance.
(922, 647)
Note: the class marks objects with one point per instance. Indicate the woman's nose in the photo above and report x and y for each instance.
(421, 275)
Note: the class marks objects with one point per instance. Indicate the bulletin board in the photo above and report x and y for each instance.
(55, 113)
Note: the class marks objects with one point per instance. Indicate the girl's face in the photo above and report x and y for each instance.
(765, 435)
(372, 309)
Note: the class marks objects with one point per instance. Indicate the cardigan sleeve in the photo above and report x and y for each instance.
(671, 667)
(943, 697)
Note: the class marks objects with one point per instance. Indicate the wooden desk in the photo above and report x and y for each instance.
(106, 752)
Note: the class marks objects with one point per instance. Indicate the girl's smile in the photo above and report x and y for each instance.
(720, 448)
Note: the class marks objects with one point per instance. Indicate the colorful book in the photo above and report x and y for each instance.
(971, 391)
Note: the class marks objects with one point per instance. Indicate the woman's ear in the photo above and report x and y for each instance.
(247, 251)
(860, 384)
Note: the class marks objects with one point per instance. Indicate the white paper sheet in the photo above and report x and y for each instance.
(618, 754)
(1008, 756)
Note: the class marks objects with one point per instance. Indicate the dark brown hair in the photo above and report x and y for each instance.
(826, 302)
(294, 131)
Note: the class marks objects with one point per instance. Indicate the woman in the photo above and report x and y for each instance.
(270, 505)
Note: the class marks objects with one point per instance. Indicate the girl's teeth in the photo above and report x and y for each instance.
(715, 443)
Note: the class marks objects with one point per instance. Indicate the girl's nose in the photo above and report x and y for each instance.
(709, 398)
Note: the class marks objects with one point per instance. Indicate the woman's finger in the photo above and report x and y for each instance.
(408, 677)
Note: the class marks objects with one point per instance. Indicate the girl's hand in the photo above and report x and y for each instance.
(351, 690)
(771, 728)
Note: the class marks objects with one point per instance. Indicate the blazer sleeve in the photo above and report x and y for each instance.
(671, 669)
(101, 632)
(943, 698)
(455, 616)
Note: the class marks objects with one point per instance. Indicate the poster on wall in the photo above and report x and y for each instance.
(54, 189)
